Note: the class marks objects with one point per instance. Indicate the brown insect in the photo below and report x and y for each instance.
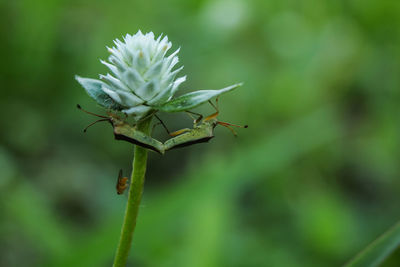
(122, 183)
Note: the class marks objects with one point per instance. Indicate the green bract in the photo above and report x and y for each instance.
(142, 78)
(193, 99)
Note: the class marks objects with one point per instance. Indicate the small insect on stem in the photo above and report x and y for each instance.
(122, 183)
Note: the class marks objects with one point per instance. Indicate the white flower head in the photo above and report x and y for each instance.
(142, 78)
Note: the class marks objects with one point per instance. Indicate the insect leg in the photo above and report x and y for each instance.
(214, 115)
(184, 130)
(216, 104)
(181, 131)
(162, 123)
(195, 121)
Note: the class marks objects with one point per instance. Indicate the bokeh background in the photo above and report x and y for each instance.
(313, 179)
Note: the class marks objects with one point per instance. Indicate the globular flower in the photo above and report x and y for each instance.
(142, 78)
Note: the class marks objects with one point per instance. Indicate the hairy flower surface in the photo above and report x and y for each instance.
(142, 78)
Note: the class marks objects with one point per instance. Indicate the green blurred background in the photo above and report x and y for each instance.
(313, 179)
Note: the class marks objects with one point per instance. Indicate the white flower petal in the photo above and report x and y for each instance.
(161, 97)
(177, 83)
(174, 61)
(111, 93)
(133, 79)
(124, 98)
(154, 71)
(114, 82)
(148, 90)
(170, 76)
(129, 99)
(111, 67)
(138, 111)
(141, 60)
(167, 93)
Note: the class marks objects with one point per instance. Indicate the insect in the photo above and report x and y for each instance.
(202, 132)
(127, 132)
(122, 183)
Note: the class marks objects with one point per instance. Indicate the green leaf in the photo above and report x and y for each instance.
(379, 250)
(93, 89)
(193, 99)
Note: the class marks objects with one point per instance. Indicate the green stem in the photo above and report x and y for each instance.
(376, 252)
(134, 197)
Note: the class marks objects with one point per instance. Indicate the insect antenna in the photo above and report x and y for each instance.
(93, 123)
(88, 112)
(229, 126)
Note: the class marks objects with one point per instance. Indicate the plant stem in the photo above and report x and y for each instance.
(380, 249)
(134, 197)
